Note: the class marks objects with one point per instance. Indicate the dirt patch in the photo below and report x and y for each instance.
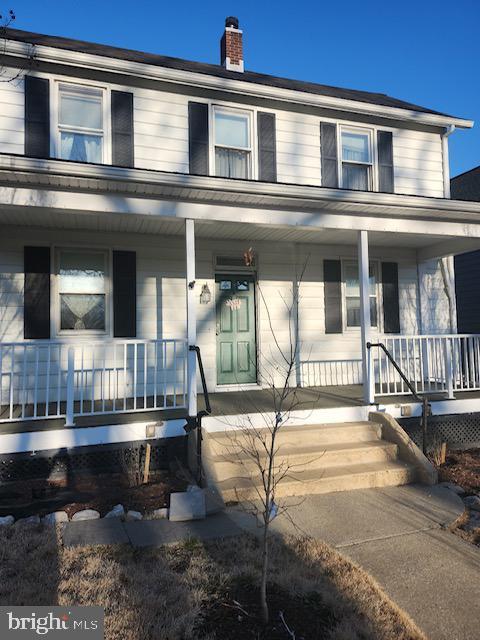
(463, 468)
(190, 591)
(88, 491)
(237, 614)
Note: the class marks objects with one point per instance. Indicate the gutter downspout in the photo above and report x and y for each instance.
(446, 168)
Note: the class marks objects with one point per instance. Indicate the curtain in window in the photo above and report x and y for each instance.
(230, 163)
(82, 311)
(355, 177)
(81, 147)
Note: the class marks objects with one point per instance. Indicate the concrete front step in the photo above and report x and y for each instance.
(344, 478)
(307, 435)
(299, 458)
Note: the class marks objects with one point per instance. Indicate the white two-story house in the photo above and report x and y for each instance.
(149, 204)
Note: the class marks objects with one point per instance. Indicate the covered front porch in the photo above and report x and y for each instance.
(70, 381)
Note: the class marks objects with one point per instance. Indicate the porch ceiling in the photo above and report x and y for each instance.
(215, 230)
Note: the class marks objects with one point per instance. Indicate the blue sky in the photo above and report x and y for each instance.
(423, 51)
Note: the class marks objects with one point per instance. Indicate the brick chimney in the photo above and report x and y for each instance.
(231, 48)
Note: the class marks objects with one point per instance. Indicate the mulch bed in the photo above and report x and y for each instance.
(237, 615)
(87, 491)
(463, 468)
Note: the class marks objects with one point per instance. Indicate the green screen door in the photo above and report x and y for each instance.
(236, 347)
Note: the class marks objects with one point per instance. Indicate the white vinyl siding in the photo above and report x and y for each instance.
(12, 116)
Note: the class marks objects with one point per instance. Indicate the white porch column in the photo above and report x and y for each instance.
(365, 325)
(191, 317)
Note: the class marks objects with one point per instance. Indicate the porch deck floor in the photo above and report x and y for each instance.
(226, 403)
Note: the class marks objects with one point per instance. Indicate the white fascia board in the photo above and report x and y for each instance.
(115, 181)
(55, 55)
(38, 201)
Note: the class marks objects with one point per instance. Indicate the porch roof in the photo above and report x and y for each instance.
(60, 194)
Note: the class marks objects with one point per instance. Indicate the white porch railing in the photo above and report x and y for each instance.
(433, 363)
(41, 380)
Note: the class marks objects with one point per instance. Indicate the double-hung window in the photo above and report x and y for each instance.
(80, 123)
(82, 292)
(352, 294)
(356, 159)
(232, 142)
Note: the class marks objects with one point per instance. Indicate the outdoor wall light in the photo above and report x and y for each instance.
(205, 296)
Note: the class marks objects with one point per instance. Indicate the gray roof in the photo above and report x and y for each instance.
(213, 70)
(466, 186)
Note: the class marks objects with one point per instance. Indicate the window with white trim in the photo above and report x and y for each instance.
(82, 290)
(352, 294)
(356, 159)
(232, 142)
(81, 127)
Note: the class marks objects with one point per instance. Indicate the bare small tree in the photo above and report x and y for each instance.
(11, 73)
(258, 446)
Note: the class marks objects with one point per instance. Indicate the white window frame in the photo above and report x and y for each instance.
(55, 301)
(252, 168)
(372, 137)
(56, 128)
(376, 264)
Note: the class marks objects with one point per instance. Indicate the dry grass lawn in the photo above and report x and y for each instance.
(165, 593)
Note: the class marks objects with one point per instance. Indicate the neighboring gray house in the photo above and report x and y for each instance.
(466, 186)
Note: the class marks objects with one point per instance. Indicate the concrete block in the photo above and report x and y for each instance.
(213, 500)
(6, 520)
(160, 514)
(188, 505)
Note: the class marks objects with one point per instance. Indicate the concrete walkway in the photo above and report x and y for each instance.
(397, 534)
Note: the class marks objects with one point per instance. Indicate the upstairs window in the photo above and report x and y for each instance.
(82, 290)
(356, 159)
(232, 140)
(352, 294)
(80, 123)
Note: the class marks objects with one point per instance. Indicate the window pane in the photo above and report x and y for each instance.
(351, 280)
(81, 110)
(80, 312)
(373, 311)
(231, 130)
(82, 272)
(355, 147)
(353, 312)
(80, 147)
(230, 163)
(372, 280)
(355, 176)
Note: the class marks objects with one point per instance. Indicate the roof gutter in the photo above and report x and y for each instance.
(445, 162)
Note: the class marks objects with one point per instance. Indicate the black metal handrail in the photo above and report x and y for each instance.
(194, 423)
(426, 406)
(208, 408)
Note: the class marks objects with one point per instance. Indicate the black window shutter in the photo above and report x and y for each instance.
(267, 151)
(122, 128)
(198, 138)
(124, 294)
(36, 292)
(37, 117)
(385, 161)
(391, 311)
(332, 286)
(328, 151)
